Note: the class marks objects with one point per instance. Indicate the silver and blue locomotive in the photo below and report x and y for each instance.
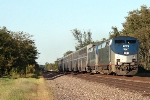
(118, 55)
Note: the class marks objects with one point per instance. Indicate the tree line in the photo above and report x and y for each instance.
(17, 53)
(51, 66)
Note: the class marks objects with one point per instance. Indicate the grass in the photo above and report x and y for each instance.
(24, 89)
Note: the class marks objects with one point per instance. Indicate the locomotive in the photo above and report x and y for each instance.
(115, 56)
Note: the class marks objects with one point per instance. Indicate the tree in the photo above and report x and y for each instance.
(114, 33)
(137, 24)
(83, 39)
(46, 66)
(51, 66)
(25, 53)
(17, 51)
(5, 49)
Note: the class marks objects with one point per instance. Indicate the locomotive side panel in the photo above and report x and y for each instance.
(113, 61)
(104, 57)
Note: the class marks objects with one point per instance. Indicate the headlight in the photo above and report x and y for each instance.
(126, 52)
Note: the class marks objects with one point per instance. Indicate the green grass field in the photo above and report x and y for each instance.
(24, 89)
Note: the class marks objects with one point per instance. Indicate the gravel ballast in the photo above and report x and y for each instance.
(72, 88)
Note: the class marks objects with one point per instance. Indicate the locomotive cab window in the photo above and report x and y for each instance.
(119, 41)
(131, 41)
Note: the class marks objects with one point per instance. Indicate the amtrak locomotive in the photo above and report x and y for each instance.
(116, 56)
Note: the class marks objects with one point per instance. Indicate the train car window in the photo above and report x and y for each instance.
(119, 41)
(131, 41)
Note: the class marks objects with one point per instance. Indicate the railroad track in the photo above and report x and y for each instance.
(134, 84)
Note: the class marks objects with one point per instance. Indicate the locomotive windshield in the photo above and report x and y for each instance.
(119, 41)
(131, 41)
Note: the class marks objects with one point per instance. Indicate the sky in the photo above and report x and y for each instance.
(51, 21)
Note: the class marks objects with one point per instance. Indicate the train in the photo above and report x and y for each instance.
(117, 56)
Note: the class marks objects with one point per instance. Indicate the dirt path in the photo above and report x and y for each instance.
(43, 92)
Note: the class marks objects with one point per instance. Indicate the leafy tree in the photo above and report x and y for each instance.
(137, 24)
(87, 38)
(25, 52)
(83, 39)
(30, 69)
(114, 33)
(136, 20)
(46, 66)
(17, 50)
(5, 60)
(51, 66)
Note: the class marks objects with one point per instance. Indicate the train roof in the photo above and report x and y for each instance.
(97, 44)
(123, 37)
(77, 50)
(83, 48)
(119, 37)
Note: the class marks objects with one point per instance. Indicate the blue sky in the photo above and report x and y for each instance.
(51, 21)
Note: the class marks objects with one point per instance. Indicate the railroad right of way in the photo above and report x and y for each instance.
(74, 87)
